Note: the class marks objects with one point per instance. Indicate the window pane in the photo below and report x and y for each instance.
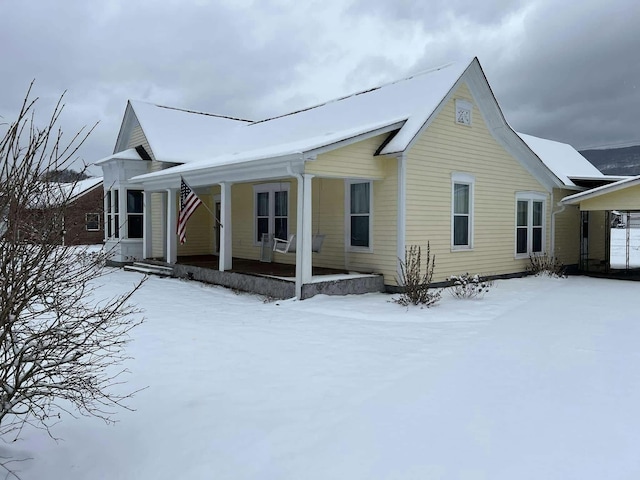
(263, 204)
(537, 214)
(92, 221)
(537, 239)
(523, 213)
(281, 204)
(360, 197)
(109, 201)
(263, 227)
(116, 201)
(134, 201)
(359, 231)
(461, 230)
(116, 226)
(460, 198)
(281, 228)
(135, 226)
(521, 240)
(109, 221)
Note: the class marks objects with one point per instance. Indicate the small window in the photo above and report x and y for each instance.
(135, 213)
(463, 112)
(359, 210)
(530, 233)
(462, 211)
(92, 222)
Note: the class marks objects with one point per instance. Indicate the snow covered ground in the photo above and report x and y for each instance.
(538, 380)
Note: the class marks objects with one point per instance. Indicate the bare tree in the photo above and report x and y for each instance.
(62, 346)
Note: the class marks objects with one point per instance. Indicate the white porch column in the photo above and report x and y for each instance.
(172, 226)
(147, 233)
(225, 258)
(304, 233)
(123, 230)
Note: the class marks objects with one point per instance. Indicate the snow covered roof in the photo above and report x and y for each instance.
(407, 102)
(130, 154)
(562, 159)
(181, 136)
(604, 189)
(53, 193)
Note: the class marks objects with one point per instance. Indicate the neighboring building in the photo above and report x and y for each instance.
(67, 213)
(429, 158)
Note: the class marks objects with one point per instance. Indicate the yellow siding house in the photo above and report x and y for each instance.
(344, 187)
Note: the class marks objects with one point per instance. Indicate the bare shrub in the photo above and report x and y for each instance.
(546, 265)
(469, 286)
(416, 284)
(62, 346)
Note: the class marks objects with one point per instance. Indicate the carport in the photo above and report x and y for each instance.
(609, 227)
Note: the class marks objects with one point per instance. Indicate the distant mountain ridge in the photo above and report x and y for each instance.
(615, 161)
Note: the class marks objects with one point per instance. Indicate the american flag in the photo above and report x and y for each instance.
(189, 201)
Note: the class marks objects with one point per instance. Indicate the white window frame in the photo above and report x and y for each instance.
(347, 216)
(134, 214)
(530, 198)
(113, 226)
(97, 222)
(271, 189)
(463, 179)
(466, 107)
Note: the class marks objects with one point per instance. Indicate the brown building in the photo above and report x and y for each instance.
(78, 222)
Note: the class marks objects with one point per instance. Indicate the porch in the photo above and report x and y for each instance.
(273, 280)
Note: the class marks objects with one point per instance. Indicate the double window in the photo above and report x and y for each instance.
(462, 211)
(530, 231)
(359, 224)
(134, 214)
(271, 209)
(112, 218)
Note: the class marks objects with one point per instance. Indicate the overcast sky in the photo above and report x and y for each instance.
(568, 71)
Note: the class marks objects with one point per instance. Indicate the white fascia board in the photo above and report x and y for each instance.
(278, 167)
(602, 190)
(312, 154)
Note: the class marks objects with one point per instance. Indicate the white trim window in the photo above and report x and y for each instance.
(112, 217)
(271, 211)
(358, 213)
(92, 222)
(462, 211)
(135, 213)
(530, 224)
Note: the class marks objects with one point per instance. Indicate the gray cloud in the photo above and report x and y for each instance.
(566, 72)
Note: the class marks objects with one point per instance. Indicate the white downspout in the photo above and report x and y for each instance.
(401, 226)
(553, 226)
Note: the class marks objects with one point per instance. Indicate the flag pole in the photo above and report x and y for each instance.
(203, 203)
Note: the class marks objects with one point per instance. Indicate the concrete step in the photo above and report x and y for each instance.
(150, 269)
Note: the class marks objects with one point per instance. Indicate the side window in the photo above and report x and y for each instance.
(92, 222)
(462, 187)
(359, 197)
(530, 224)
(134, 213)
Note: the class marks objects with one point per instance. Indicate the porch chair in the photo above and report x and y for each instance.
(289, 246)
